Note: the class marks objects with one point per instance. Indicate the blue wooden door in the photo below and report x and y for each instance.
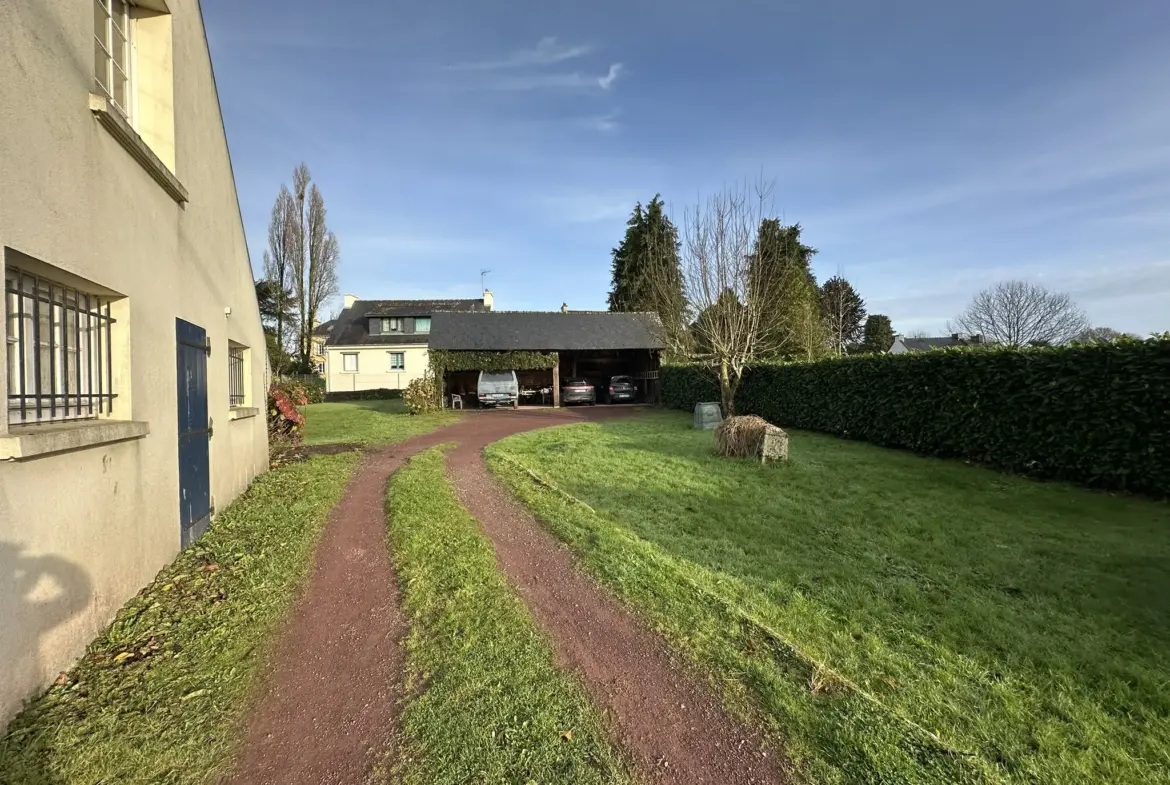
(194, 432)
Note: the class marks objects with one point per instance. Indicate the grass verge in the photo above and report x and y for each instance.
(1007, 630)
(162, 695)
(368, 422)
(489, 705)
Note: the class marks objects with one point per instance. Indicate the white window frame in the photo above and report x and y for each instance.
(345, 362)
(107, 23)
(425, 319)
(402, 357)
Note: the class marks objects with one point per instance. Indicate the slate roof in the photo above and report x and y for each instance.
(324, 328)
(353, 328)
(545, 331)
(923, 344)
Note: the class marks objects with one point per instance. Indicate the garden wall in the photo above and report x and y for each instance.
(1097, 415)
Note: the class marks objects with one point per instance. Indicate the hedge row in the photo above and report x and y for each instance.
(1097, 415)
(380, 394)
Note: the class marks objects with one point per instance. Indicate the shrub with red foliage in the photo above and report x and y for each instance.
(286, 423)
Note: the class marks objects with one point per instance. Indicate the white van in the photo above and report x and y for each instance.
(498, 388)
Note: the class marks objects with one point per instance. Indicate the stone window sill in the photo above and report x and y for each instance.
(244, 412)
(139, 150)
(23, 442)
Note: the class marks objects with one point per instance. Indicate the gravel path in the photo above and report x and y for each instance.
(330, 699)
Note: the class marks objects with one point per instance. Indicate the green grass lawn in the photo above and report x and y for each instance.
(488, 703)
(162, 695)
(1006, 630)
(368, 422)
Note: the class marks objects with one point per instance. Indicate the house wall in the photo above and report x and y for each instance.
(82, 531)
(373, 368)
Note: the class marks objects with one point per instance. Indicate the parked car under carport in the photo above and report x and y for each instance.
(578, 391)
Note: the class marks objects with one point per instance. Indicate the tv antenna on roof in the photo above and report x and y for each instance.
(483, 274)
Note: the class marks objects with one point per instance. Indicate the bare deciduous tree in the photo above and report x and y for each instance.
(280, 261)
(1019, 313)
(314, 255)
(321, 280)
(726, 327)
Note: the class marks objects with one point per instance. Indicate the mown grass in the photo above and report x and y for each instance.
(368, 422)
(1026, 624)
(489, 705)
(161, 695)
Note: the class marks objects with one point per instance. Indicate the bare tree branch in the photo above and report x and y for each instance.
(1019, 313)
(321, 280)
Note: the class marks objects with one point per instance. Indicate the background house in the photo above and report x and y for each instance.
(317, 355)
(134, 356)
(903, 344)
(382, 344)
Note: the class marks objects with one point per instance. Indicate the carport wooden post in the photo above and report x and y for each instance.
(557, 381)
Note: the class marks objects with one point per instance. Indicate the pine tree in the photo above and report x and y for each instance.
(782, 277)
(646, 274)
(843, 311)
(879, 334)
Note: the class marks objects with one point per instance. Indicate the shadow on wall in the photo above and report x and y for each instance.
(37, 595)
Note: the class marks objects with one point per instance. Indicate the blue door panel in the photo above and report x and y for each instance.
(194, 432)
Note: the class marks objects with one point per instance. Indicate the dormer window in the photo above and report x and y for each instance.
(383, 326)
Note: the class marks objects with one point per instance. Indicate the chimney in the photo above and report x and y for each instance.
(564, 307)
(489, 299)
(350, 299)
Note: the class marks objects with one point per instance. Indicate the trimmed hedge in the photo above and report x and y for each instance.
(380, 394)
(1093, 414)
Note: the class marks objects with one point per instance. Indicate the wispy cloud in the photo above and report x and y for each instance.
(572, 81)
(548, 51)
(607, 81)
(604, 123)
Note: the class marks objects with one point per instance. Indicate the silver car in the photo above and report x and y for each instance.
(498, 388)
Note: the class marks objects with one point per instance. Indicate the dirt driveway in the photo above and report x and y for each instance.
(330, 699)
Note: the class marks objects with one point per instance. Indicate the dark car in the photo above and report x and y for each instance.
(578, 391)
(621, 389)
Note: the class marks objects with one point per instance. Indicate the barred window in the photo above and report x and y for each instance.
(60, 363)
(236, 376)
(111, 51)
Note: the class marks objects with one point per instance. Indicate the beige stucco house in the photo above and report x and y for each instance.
(382, 344)
(134, 356)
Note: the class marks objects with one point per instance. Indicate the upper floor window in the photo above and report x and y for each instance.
(422, 324)
(59, 355)
(112, 52)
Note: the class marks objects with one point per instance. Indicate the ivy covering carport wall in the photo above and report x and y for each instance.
(444, 361)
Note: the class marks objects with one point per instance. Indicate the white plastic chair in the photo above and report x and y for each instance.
(456, 401)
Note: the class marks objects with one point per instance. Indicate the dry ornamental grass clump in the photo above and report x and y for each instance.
(751, 437)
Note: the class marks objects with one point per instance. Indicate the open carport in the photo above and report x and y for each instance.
(544, 347)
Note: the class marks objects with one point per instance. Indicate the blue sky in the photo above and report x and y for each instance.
(927, 148)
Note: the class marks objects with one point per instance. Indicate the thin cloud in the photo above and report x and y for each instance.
(548, 51)
(572, 81)
(608, 80)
